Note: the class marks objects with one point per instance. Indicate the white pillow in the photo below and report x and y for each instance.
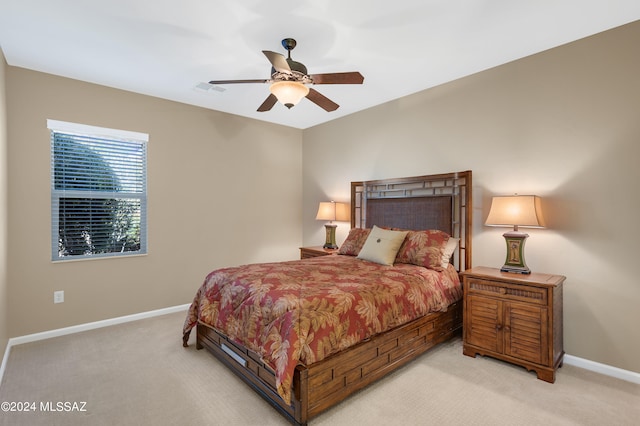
(452, 243)
(382, 246)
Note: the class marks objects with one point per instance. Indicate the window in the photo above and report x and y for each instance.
(98, 192)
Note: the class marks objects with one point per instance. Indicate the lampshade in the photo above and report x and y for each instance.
(330, 210)
(289, 93)
(516, 210)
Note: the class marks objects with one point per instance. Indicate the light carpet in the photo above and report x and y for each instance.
(138, 373)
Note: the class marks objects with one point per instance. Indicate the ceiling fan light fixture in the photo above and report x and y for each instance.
(289, 93)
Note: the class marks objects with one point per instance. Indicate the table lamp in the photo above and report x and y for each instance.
(516, 211)
(330, 210)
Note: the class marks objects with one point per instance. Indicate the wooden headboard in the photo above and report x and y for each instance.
(440, 201)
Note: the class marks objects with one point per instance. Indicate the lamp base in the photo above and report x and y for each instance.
(331, 236)
(515, 253)
(513, 270)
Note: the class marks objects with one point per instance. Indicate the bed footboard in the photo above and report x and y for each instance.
(324, 384)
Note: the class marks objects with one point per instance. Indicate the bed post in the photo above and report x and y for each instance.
(301, 395)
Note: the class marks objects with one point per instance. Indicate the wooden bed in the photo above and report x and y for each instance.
(426, 202)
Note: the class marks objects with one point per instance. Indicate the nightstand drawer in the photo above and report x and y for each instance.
(523, 293)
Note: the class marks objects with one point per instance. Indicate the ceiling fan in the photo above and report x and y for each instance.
(289, 81)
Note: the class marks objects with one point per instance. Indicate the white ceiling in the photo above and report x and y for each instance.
(167, 48)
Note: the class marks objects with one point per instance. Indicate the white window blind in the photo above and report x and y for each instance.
(98, 192)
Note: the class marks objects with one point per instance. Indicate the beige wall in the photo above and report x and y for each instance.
(4, 301)
(222, 190)
(563, 124)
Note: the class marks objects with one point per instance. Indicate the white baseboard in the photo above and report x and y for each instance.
(5, 358)
(84, 327)
(607, 370)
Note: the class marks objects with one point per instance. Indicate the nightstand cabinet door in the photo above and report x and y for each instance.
(525, 329)
(484, 323)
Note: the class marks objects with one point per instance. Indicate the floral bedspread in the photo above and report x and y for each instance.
(305, 310)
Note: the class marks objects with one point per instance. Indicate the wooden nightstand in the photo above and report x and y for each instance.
(515, 318)
(307, 252)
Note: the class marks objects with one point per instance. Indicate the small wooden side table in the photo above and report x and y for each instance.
(515, 318)
(315, 251)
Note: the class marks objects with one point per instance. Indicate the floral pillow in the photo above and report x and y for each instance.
(354, 242)
(423, 248)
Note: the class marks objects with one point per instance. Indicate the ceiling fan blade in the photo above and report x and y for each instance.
(278, 61)
(268, 103)
(338, 78)
(237, 81)
(321, 100)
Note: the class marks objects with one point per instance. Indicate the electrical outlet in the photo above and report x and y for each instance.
(58, 296)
